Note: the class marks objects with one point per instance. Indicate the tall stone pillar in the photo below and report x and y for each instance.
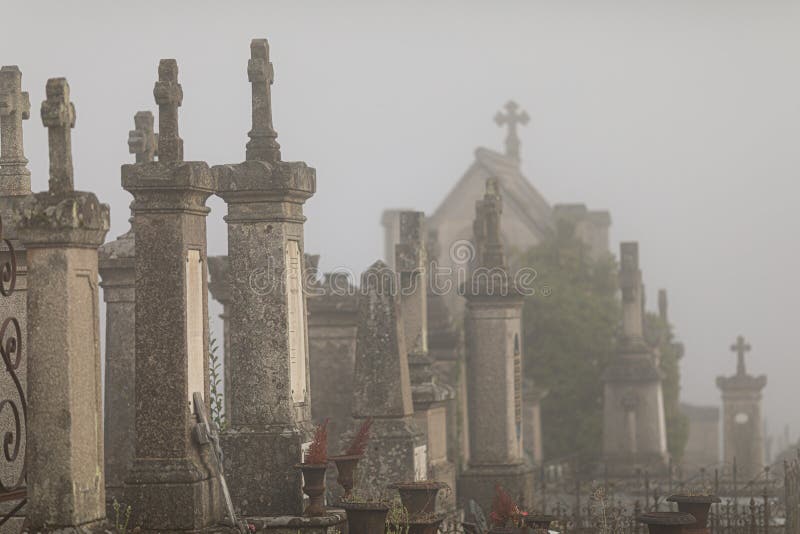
(117, 270)
(61, 229)
(494, 368)
(429, 396)
(269, 394)
(742, 424)
(219, 286)
(634, 429)
(171, 485)
(382, 387)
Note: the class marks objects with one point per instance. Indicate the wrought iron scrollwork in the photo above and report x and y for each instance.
(13, 406)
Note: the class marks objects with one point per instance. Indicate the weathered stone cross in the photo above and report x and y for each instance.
(740, 348)
(143, 141)
(263, 144)
(512, 118)
(15, 106)
(58, 115)
(169, 96)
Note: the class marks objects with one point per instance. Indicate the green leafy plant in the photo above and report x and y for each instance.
(215, 385)
(121, 519)
(397, 518)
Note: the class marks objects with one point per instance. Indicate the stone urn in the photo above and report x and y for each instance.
(314, 487)
(365, 517)
(419, 498)
(697, 505)
(666, 522)
(538, 522)
(346, 469)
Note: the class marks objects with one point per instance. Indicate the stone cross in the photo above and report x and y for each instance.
(143, 141)
(15, 106)
(512, 118)
(169, 97)
(263, 145)
(740, 348)
(58, 115)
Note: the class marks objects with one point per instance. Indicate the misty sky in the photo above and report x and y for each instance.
(681, 117)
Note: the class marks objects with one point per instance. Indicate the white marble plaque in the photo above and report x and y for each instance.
(421, 462)
(297, 322)
(194, 325)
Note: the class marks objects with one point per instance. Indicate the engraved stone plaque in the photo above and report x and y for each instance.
(194, 325)
(297, 322)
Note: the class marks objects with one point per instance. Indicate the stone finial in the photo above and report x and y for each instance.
(58, 115)
(263, 145)
(169, 97)
(487, 227)
(630, 282)
(512, 117)
(663, 305)
(143, 141)
(741, 347)
(410, 250)
(15, 106)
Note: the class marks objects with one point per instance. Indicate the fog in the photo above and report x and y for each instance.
(682, 118)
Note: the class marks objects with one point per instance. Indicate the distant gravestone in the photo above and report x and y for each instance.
(493, 330)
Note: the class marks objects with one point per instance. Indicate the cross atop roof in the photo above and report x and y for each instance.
(15, 106)
(512, 117)
(58, 115)
(740, 348)
(263, 145)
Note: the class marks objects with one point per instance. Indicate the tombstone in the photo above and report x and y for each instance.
(430, 398)
(172, 484)
(270, 410)
(494, 334)
(117, 271)
(332, 331)
(382, 387)
(634, 429)
(742, 423)
(61, 229)
(702, 446)
(219, 287)
(14, 187)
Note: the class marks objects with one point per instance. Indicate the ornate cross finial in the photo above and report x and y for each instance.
(143, 141)
(740, 348)
(512, 118)
(263, 145)
(58, 115)
(169, 96)
(15, 106)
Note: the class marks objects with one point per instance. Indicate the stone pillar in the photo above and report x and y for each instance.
(532, 421)
(117, 270)
(171, 485)
(742, 423)
(332, 330)
(429, 397)
(269, 400)
(219, 286)
(61, 230)
(382, 387)
(494, 368)
(634, 428)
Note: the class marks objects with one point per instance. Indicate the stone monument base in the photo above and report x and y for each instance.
(172, 496)
(261, 473)
(334, 522)
(478, 482)
(390, 455)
